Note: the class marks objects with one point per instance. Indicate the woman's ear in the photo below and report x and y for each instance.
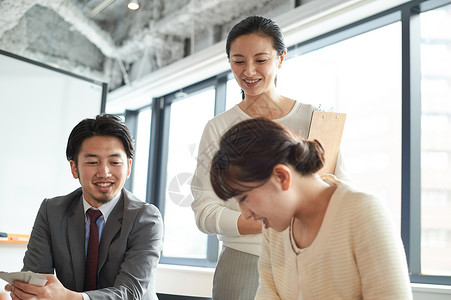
(281, 59)
(283, 176)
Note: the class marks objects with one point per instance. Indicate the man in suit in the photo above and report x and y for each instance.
(126, 233)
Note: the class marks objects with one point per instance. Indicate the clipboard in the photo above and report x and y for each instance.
(327, 128)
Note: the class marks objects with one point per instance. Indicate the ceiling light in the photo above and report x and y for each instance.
(133, 5)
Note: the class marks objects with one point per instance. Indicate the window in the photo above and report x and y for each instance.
(188, 116)
(141, 159)
(360, 76)
(390, 73)
(435, 141)
(233, 93)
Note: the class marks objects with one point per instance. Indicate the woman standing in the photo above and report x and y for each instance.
(340, 242)
(256, 51)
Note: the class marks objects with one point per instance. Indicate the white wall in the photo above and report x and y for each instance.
(430, 292)
(39, 107)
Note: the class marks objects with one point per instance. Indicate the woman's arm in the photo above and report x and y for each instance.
(267, 287)
(211, 213)
(380, 253)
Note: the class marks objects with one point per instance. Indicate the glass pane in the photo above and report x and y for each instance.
(436, 141)
(188, 118)
(233, 95)
(141, 160)
(360, 76)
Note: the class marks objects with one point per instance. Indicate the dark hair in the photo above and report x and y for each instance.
(261, 25)
(102, 125)
(250, 150)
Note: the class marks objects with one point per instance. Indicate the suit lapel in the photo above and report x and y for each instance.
(76, 234)
(112, 226)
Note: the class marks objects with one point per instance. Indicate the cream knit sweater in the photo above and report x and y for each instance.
(357, 254)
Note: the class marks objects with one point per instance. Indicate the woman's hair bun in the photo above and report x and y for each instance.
(307, 156)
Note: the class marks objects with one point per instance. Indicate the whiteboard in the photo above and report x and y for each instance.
(39, 106)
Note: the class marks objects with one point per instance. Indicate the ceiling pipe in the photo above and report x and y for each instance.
(99, 8)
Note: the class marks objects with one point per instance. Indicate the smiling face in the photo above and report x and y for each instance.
(271, 203)
(254, 63)
(102, 169)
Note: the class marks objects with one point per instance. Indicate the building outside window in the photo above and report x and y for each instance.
(436, 141)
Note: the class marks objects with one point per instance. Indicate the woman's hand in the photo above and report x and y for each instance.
(248, 226)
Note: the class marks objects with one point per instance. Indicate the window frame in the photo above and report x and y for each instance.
(158, 159)
(408, 14)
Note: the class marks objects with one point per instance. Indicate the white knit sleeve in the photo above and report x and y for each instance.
(212, 216)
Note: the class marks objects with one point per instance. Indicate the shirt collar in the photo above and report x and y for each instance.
(105, 208)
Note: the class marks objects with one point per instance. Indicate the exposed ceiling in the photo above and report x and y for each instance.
(104, 40)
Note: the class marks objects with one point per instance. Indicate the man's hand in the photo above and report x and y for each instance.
(53, 290)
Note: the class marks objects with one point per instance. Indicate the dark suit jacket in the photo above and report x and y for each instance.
(129, 248)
